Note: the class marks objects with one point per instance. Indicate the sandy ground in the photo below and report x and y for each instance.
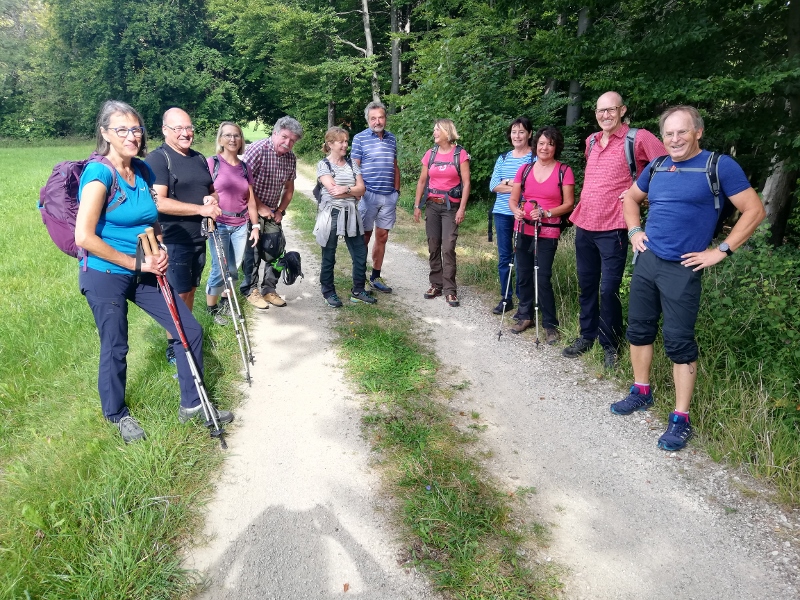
(298, 513)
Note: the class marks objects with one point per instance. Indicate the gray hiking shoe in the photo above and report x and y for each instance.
(187, 414)
(130, 430)
(217, 311)
(362, 297)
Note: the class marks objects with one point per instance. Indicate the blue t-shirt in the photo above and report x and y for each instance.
(682, 216)
(506, 167)
(121, 227)
(377, 156)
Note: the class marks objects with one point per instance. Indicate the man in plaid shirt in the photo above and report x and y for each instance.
(273, 167)
(601, 242)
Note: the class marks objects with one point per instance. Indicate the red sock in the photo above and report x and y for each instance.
(644, 388)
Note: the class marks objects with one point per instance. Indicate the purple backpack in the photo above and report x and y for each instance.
(58, 201)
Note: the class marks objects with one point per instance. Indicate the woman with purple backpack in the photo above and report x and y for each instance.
(114, 272)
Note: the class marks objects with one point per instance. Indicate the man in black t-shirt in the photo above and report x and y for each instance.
(185, 196)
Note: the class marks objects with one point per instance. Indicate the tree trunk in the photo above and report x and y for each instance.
(369, 51)
(777, 197)
(395, 89)
(574, 108)
(331, 113)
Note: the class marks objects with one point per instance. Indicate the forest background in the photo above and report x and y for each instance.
(481, 63)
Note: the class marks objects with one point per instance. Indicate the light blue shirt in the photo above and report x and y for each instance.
(506, 167)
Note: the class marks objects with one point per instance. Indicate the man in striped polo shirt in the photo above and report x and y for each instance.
(375, 151)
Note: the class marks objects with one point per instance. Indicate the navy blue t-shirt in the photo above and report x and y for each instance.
(682, 216)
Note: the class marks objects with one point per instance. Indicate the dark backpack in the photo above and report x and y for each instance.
(630, 143)
(291, 267)
(317, 192)
(723, 205)
(58, 200)
(564, 222)
(452, 192)
(215, 172)
(271, 242)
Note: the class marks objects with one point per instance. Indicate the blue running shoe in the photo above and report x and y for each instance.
(333, 301)
(380, 285)
(635, 401)
(677, 434)
(362, 297)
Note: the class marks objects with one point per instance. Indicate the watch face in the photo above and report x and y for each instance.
(724, 247)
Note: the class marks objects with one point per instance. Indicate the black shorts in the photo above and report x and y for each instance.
(186, 264)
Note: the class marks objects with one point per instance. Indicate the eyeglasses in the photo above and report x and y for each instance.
(668, 135)
(180, 129)
(124, 131)
(611, 110)
(231, 136)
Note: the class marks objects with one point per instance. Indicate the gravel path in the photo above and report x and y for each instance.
(298, 513)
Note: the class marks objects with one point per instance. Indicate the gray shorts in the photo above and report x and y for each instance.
(378, 210)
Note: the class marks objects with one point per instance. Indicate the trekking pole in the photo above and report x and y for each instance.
(222, 261)
(536, 272)
(150, 248)
(508, 283)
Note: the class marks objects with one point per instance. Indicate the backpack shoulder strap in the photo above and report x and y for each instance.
(657, 166)
(712, 175)
(592, 142)
(630, 148)
(432, 156)
(330, 166)
(562, 169)
(457, 160)
(504, 155)
(215, 172)
(115, 187)
(170, 182)
(525, 174)
(349, 161)
(245, 171)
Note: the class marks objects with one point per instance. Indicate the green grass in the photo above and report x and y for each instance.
(461, 528)
(81, 514)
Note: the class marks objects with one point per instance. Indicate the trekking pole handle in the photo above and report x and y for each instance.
(145, 242)
(211, 225)
(152, 241)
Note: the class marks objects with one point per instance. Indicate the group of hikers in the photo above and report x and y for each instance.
(246, 190)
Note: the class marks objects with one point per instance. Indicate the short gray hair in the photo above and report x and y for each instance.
(372, 106)
(108, 110)
(289, 124)
(697, 120)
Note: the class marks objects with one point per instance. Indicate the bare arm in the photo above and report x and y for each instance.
(568, 202)
(252, 213)
(753, 214)
(514, 202)
(465, 189)
(396, 175)
(170, 206)
(418, 200)
(286, 198)
(631, 210)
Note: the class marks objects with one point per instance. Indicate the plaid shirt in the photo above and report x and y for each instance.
(269, 171)
(607, 176)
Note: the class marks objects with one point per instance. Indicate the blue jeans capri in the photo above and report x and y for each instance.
(232, 240)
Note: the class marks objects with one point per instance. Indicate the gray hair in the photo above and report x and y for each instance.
(108, 110)
(697, 120)
(289, 124)
(372, 106)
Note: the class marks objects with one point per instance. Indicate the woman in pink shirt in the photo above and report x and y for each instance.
(443, 187)
(548, 190)
(234, 184)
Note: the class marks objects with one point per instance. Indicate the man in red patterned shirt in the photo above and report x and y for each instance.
(601, 242)
(273, 166)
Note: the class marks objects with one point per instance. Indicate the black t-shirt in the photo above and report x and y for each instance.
(191, 181)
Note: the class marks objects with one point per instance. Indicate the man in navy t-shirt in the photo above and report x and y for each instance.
(671, 253)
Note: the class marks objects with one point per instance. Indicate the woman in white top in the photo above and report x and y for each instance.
(341, 187)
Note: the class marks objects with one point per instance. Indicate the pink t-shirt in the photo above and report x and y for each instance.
(546, 194)
(233, 190)
(443, 173)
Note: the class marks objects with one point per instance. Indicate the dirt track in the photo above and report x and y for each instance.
(298, 515)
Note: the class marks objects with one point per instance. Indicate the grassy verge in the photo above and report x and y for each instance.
(81, 514)
(461, 527)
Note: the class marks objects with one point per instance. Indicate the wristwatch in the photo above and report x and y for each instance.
(723, 247)
(348, 189)
(548, 214)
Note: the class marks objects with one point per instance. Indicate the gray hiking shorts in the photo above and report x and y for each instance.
(378, 210)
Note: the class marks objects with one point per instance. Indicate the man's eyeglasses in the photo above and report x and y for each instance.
(181, 129)
(231, 136)
(124, 131)
(668, 135)
(612, 110)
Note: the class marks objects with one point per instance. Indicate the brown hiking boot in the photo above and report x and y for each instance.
(257, 300)
(521, 325)
(432, 293)
(274, 299)
(552, 335)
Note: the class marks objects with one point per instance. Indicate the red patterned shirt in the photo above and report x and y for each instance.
(269, 171)
(607, 176)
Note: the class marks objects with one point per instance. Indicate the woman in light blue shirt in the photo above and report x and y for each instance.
(519, 133)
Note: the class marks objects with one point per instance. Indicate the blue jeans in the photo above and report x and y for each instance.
(108, 295)
(504, 227)
(358, 254)
(600, 258)
(232, 240)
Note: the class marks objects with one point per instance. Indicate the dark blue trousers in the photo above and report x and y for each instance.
(600, 258)
(108, 295)
(526, 276)
(504, 228)
(358, 254)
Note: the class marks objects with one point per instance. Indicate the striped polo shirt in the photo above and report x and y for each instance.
(377, 156)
